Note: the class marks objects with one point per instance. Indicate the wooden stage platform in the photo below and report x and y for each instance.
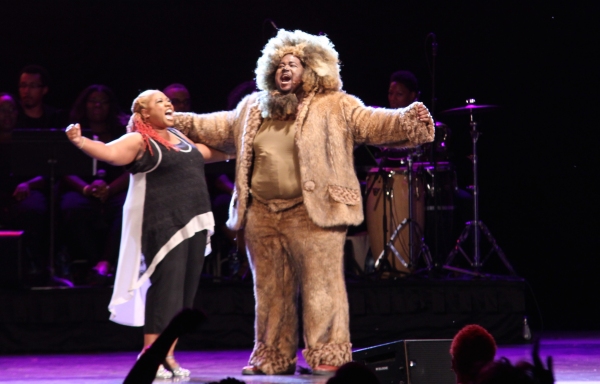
(68, 320)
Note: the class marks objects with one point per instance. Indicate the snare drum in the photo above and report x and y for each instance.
(396, 210)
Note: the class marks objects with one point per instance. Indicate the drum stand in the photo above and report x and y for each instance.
(476, 225)
(407, 222)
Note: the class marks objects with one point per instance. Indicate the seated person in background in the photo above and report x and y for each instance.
(91, 206)
(472, 348)
(33, 87)
(403, 90)
(23, 203)
(180, 97)
(442, 190)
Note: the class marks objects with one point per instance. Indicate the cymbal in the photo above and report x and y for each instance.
(470, 108)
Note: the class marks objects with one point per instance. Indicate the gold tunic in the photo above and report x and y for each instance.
(276, 172)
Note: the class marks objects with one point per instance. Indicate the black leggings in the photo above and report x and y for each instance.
(174, 283)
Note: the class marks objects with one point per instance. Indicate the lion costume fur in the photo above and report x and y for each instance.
(329, 123)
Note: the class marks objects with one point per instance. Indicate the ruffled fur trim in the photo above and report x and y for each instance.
(328, 354)
(415, 131)
(270, 361)
(276, 106)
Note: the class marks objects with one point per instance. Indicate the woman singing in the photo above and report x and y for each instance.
(166, 218)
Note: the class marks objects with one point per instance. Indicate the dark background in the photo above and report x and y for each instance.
(538, 153)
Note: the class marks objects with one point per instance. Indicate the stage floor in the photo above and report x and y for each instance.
(576, 360)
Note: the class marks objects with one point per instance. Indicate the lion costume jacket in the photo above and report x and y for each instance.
(328, 126)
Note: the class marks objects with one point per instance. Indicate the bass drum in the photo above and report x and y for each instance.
(396, 210)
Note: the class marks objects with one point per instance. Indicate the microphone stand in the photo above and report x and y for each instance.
(433, 159)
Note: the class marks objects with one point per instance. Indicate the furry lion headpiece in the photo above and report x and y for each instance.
(320, 60)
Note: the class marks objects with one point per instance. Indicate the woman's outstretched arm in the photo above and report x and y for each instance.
(118, 152)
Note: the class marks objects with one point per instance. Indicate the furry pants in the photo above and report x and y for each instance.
(290, 256)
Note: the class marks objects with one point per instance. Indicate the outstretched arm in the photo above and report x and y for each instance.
(217, 129)
(213, 129)
(118, 152)
(408, 126)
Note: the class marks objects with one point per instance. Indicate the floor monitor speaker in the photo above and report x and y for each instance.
(409, 361)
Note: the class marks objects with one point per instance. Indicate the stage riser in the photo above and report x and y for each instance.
(76, 320)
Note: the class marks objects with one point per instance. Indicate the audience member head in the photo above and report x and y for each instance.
(8, 115)
(471, 349)
(404, 89)
(228, 380)
(503, 372)
(239, 92)
(33, 86)
(180, 97)
(98, 105)
(353, 372)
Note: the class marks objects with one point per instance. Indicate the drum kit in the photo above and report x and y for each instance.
(412, 186)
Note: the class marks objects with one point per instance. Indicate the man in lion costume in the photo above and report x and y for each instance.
(296, 192)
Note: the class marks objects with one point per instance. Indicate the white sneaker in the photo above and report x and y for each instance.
(163, 373)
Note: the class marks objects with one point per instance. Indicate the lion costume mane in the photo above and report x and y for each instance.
(321, 70)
